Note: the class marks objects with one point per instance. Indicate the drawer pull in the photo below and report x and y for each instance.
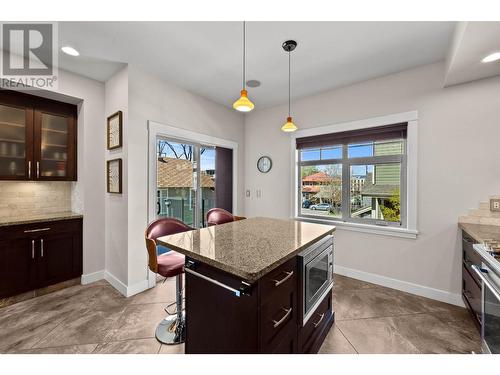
(36, 230)
(32, 249)
(319, 321)
(279, 282)
(41, 247)
(277, 323)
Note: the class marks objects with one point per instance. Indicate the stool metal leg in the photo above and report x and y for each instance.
(171, 330)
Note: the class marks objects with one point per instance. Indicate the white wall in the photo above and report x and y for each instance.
(88, 191)
(153, 99)
(116, 99)
(458, 166)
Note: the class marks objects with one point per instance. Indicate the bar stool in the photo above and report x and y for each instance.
(171, 330)
(216, 216)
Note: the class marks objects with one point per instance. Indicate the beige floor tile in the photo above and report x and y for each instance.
(347, 283)
(72, 349)
(336, 343)
(137, 322)
(163, 292)
(430, 335)
(139, 346)
(87, 327)
(376, 336)
(172, 349)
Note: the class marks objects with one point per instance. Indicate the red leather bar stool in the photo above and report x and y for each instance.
(216, 216)
(171, 330)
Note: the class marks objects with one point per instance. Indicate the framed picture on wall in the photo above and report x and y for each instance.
(114, 133)
(114, 176)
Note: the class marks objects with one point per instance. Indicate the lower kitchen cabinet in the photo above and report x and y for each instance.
(471, 286)
(16, 266)
(38, 255)
(264, 320)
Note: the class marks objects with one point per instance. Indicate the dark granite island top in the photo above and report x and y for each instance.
(247, 248)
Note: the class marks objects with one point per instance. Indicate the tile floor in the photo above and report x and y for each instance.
(96, 319)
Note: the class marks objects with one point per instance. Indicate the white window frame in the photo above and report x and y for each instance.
(411, 172)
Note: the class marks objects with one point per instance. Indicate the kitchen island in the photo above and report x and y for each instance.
(258, 285)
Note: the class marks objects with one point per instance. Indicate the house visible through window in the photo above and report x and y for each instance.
(355, 176)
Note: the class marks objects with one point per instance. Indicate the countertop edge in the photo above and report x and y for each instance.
(41, 220)
(249, 277)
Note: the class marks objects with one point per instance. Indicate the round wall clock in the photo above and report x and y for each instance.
(264, 164)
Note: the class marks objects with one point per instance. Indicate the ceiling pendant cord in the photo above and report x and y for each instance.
(244, 55)
(289, 84)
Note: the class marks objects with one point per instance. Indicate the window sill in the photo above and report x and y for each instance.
(365, 228)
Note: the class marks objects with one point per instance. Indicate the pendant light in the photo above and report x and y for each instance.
(289, 126)
(243, 104)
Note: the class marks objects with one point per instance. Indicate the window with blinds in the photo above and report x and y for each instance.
(354, 176)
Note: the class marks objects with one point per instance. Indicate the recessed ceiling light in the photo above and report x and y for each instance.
(70, 51)
(253, 83)
(493, 57)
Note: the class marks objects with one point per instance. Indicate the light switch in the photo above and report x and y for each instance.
(247, 193)
(258, 193)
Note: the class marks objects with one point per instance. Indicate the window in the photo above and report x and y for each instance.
(356, 176)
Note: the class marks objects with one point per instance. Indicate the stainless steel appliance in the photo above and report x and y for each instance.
(316, 266)
(489, 273)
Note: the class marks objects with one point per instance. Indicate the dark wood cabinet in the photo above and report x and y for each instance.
(37, 255)
(16, 266)
(38, 138)
(471, 285)
(265, 320)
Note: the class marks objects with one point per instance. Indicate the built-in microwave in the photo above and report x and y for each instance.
(316, 267)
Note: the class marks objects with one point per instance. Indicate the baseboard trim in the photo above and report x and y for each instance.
(92, 277)
(419, 290)
(137, 288)
(127, 291)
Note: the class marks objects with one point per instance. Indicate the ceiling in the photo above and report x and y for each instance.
(206, 57)
(472, 42)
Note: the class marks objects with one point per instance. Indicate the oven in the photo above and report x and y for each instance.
(490, 301)
(316, 268)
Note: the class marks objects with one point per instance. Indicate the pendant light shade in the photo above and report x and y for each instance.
(289, 126)
(243, 104)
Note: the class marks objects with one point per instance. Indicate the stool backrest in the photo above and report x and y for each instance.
(217, 216)
(158, 228)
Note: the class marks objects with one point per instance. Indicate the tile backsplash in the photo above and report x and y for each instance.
(29, 197)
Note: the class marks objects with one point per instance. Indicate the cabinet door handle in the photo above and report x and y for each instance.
(37, 169)
(32, 249)
(277, 323)
(36, 230)
(319, 321)
(41, 247)
(29, 169)
(279, 282)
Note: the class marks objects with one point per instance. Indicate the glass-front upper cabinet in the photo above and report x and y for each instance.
(54, 146)
(37, 138)
(16, 141)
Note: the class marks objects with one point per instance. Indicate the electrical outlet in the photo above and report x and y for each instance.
(495, 204)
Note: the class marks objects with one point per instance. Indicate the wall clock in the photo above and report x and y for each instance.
(115, 130)
(264, 164)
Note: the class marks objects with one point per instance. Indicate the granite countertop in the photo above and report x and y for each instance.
(481, 232)
(247, 248)
(37, 218)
